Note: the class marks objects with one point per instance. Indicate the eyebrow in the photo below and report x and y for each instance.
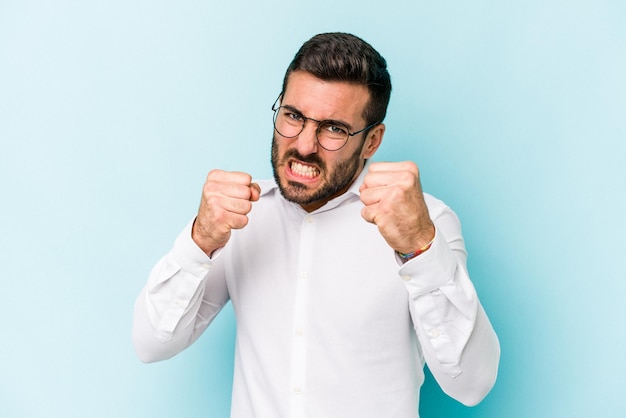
(335, 121)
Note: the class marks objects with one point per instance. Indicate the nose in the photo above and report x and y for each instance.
(306, 142)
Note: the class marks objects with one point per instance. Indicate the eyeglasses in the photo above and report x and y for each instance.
(331, 135)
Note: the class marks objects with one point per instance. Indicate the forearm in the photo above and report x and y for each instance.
(150, 341)
(183, 294)
(477, 364)
(457, 340)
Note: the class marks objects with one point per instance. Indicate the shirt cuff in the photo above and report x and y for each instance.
(431, 269)
(188, 266)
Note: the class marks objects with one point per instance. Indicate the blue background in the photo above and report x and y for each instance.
(112, 113)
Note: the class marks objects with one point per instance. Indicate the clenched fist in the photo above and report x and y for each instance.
(393, 199)
(226, 201)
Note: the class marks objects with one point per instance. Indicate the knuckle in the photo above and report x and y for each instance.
(239, 221)
(243, 206)
(215, 174)
(207, 189)
(219, 215)
(406, 176)
(211, 199)
(410, 166)
(246, 178)
(394, 193)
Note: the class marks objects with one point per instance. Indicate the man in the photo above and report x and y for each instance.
(344, 276)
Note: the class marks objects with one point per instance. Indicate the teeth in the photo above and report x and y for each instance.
(304, 170)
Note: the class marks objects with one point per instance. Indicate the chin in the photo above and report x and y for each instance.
(297, 192)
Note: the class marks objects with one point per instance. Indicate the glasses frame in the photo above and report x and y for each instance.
(319, 123)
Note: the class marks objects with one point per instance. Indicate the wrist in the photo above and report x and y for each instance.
(203, 240)
(409, 256)
(420, 250)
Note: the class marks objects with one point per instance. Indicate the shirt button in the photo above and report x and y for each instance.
(299, 332)
(435, 333)
(309, 219)
(406, 277)
(297, 390)
(304, 275)
(206, 266)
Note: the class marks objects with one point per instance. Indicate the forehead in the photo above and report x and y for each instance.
(320, 99)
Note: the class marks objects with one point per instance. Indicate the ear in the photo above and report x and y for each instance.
(373, 141)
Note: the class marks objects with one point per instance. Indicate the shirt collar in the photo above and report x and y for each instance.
(356, 185)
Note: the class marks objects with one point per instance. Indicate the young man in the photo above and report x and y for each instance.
(345, 277)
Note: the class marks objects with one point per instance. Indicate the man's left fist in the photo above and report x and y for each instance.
(394, 201)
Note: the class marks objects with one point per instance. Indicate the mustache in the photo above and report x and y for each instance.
(309, 159)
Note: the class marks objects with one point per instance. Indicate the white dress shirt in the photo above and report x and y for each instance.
(329, 321)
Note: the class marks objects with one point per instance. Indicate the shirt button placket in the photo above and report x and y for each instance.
(298, 366)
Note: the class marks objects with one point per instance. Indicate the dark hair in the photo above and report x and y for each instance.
(344, 57)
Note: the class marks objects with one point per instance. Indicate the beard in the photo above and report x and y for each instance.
(334, 181)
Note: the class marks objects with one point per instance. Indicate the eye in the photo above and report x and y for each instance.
(335, 129)
(292, 116)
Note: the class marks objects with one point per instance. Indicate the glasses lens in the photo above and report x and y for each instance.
(331, 135)
(287, 123)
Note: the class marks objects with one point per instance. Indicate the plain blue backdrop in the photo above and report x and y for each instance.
(112, 113)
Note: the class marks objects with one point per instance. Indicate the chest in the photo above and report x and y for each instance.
(331, 270)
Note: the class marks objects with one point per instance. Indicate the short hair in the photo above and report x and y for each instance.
(344, 57)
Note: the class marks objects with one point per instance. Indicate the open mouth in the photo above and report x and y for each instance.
(303, 171)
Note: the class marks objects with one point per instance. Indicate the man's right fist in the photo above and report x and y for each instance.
(226, 201)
